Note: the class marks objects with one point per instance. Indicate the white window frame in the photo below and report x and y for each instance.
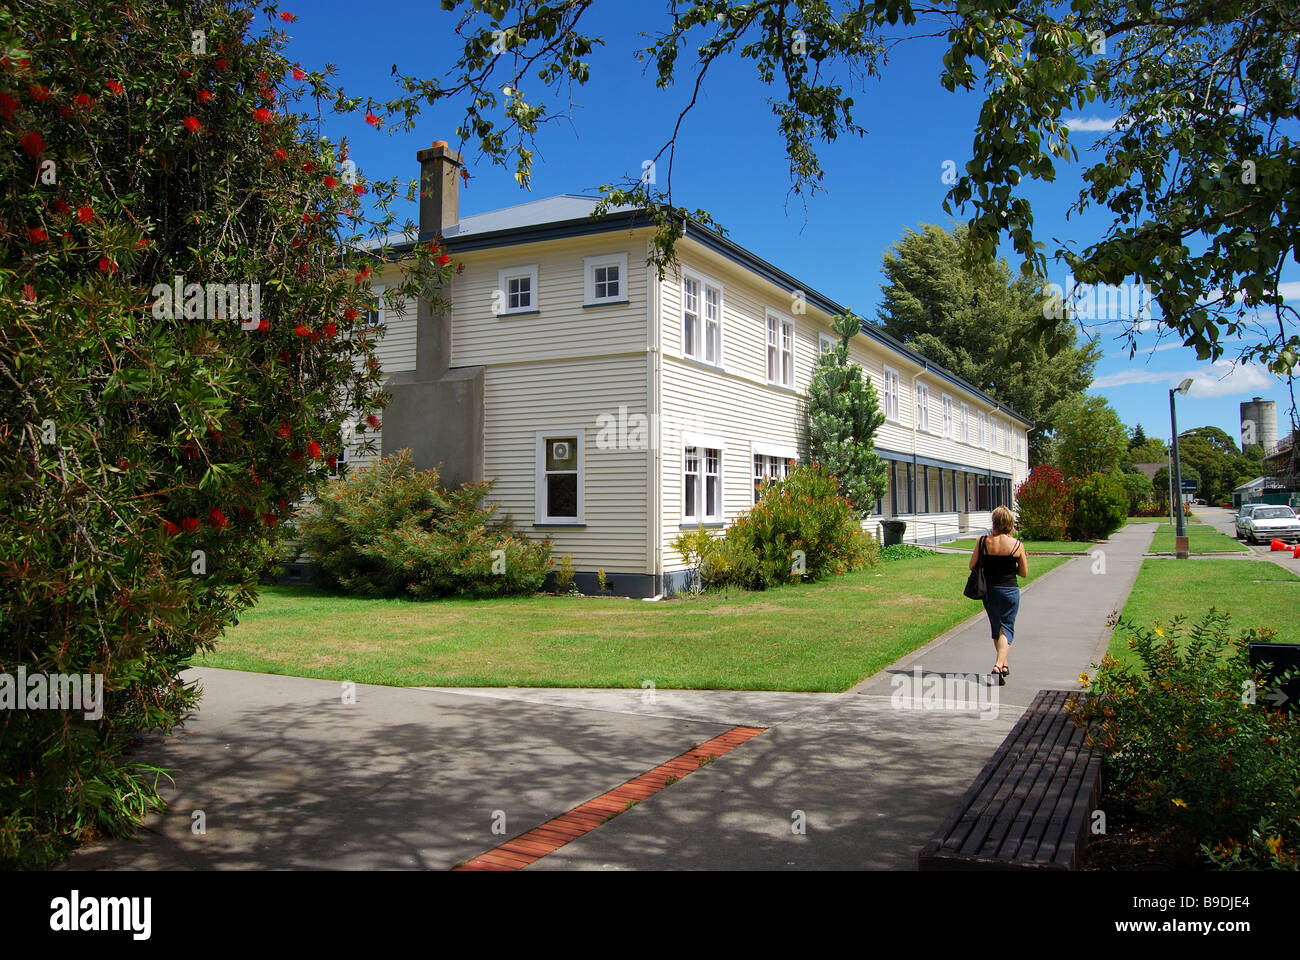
(922, 391)
(589, 266)
(1006, 440)
(890, 394)
(980, 437)
(780, 345)
(947, 412)
(702, 444)
(825, 344)
(704, 338)
(376, 291)
(504, 276)
(965, 423)
(539, 488)
(776, 462)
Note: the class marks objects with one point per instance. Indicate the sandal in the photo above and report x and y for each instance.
(999, 674)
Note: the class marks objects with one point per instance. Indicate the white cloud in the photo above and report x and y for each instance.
(1222, 378)
(1091, 124)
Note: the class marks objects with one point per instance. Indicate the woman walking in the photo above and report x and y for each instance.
(1004, 558)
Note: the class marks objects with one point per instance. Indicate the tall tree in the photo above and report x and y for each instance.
(969, 321)
(843, 417)
(1091, 437)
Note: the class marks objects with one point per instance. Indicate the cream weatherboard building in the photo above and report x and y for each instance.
(614, 409)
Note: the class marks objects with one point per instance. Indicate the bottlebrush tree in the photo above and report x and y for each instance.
(1044, 503)
(183, 336)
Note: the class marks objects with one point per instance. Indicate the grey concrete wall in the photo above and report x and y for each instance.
(440, 420)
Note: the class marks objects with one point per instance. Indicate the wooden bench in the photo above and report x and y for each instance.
(1031, 806)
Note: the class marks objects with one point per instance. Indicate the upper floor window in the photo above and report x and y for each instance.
(947, 417)
(965, 423)
(606, 279)
(375, 315)
(1006, 440)
(780, 350)
(825, 345)
(891, 394)
(922, 407)
(979, 437)
(516, 290)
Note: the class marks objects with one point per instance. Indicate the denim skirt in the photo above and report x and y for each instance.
(1002, 604)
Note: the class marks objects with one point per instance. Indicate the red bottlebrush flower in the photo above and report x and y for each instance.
(314, 336)
(85, 214)
(29, 293)
(284, 430)
(313, 450)
(84, 101)
(191, 449)
(262, 115)
(365, 272)
(222, 64)
(358, 189)
(349, 314)
(301, 330)
(39, 92)
(185, 74)
(106, 265)
(192, 124)
(190, 524)
(268, 519)
(218, 519)
(280, 154)
(263, 325)
(37, 235)
(115, 88)
(308, 167)
(330, 182)
(443, 259)
(61, 207)
(373, 421)
(244, 512)
(283, 355)
(170, 528)
(328, 329)
(65, 112)
(282, 504)
(306, 217)
(299, 73)
(372, 119)
(303, 269)
(7, 106)
(332, 461)
(33, 143)
(295, 456)
(205, 96)
(288, 17)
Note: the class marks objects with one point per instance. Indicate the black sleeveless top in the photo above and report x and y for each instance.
(1000, 571)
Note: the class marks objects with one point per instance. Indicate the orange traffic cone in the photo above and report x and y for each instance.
(1277, 545)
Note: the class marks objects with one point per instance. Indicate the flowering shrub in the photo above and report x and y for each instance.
(1190, 741)
(1100, 507)
(389, 530)
(183, 336)
(805, 512)
(1044, 504)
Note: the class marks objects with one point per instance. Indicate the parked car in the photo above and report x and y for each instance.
(1267, 521)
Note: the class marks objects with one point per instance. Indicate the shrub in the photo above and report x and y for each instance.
(904, 551)
(804, 512)
(1100, 507)
(389, 530)
(1044, 504)
(564, 574)
(1139, 490)
(693, 546)
(1187, 738)
(150, 456)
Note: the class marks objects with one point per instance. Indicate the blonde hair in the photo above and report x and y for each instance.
(1004, 520)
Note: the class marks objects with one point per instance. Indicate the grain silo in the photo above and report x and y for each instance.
(1259, 424)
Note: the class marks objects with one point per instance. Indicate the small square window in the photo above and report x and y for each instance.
(516, 291)
(606, 279)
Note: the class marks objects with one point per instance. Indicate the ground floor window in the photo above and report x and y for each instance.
(702, 484)
(559, 477)
(769, 469)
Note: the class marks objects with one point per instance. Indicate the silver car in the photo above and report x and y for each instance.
(1266, 521)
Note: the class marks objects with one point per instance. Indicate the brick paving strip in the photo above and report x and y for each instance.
(550, 836)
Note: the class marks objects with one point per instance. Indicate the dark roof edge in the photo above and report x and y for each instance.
(633, 219)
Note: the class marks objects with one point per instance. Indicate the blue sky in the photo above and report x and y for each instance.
(730, 162)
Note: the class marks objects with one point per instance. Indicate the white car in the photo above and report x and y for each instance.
(1266, 521)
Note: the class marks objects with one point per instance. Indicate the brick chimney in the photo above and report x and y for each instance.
(440, 168)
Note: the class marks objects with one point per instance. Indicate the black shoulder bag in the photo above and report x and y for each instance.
(976, 586)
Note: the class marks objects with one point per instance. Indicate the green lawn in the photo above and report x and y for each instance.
(814, 637)
(1142, 520)
(1255, 594)
(1037, 546)
(1201, 538)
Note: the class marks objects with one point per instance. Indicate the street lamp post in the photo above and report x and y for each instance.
(1180, 523)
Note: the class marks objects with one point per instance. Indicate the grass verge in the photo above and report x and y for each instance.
(812, 637)
(1037, 546)
(1201, 538)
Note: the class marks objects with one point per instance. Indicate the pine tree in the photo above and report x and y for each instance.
(1139, 438)
(843, 417)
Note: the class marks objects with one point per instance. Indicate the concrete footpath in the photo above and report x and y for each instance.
(282, 774)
